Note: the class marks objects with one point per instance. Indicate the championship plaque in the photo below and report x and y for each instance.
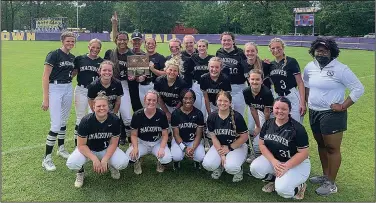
(138, 65)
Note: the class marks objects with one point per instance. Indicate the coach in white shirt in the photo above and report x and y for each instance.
(326, 80)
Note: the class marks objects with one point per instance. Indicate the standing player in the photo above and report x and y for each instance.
(212, 83)
(197, 66)
(229, 133)
(284, 162)
(149, 134)
(98, 137)
(326, 80)
(86, 68)
(235, 68)
(286, 77)
(106, 85)
(260, 100)
(58, 95)
(157, 64)
(169, 87)
(187, 124)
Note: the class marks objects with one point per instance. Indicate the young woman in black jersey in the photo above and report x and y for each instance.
(260, 100)
(98, 137)
(157, 64)
(197, 66)
(58, 95)
(234, 67)
(229, 133)
(106, 85)
(149, 134)
(284, 162)
(187, 124)
(212, 83)
(287, 80)
(86, 68)
(169, 87)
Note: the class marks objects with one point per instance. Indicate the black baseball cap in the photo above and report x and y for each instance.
(136, 35)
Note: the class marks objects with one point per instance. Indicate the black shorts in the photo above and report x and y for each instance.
(327, 122)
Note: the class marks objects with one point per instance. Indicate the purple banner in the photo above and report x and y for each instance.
(299, 41)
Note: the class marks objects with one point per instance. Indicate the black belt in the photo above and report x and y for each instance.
(60, 81)
(284, 93)
(142, 83)
(84, 86)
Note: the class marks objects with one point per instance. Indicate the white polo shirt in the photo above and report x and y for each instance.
(327, 86)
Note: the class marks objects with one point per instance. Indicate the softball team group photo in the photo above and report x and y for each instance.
(219, 111)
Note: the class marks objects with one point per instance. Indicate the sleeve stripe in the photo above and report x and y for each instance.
(46, 63)
(304, 147)
(82, 136)
(243, 132)
(116, 135)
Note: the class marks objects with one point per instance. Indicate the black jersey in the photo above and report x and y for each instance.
(112, 92)
(283, 76)
(87, 69)
(263, 99)
(186, 76)
(187, 123)
(265, 69)
(214, 87)
(159, 64)
(169, 94)
(233, 64)
(99, 134)
(284, 141)
(223, 129)
(149, 129)
(197, 66)
(62, 65)
(122, 61)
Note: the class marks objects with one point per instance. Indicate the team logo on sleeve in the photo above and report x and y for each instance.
(330, 73)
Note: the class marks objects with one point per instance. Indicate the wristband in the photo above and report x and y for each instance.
(230, 148)
(182, 146)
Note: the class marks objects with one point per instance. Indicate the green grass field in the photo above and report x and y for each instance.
(25, 126)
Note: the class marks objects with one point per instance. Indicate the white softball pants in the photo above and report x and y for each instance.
(81, 103)
(295, 105)
(286, 184)
(200, 101)
(60, 103)
(118, 160)
(234, 159)
(238, 102)
(125, 104)
(143, 89)
(251, 127)
(178, 154)
(145, 147)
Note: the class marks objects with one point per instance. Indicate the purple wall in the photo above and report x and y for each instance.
(299, 41)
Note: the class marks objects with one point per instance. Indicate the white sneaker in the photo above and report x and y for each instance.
(217, 173)
(238, 177)
(63, 152)
(301, 190)
(137, 167)
(270, 187)
(79, 180)
(115, 174)
(250, 158)
(48, 164)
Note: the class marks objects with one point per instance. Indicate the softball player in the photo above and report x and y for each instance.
(156, 67)
(284, 162)
(326, 80)
(119, 57)
(234, 66)
(106, 85)
(197, 65)
(286, 77)
(86, 68)
(229, 133)
(260, 100)
(187, 124)
(169, 87)
(213, 82)
(98, 137)
(58, 95)
(149, 134)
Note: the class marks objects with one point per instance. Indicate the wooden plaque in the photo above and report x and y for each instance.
(138, 65)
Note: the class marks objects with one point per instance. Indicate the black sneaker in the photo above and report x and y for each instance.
(197, 165)
(176, 165)
(122, 141)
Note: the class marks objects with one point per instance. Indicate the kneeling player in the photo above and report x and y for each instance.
(98, 137)
(187, 124)
(284, 162)
(149, 134)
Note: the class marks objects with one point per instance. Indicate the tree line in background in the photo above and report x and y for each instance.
(335, 18)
